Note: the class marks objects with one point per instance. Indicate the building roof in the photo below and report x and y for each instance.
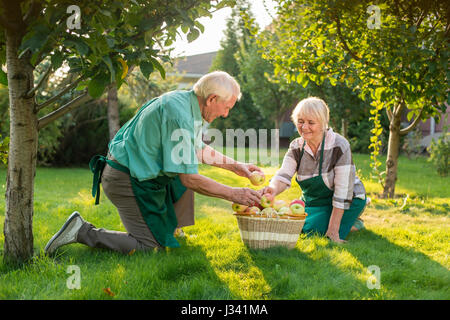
(195, 65)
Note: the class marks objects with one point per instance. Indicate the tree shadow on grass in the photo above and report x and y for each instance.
(296, 275)
(319, 269)
(165, 274)
(406, 272)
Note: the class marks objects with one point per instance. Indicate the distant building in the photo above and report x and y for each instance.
(287, 128)
(430, 129)
(192, 68)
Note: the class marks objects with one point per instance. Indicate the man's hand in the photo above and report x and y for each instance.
(245, 196)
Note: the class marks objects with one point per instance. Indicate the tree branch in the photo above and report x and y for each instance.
(341, 37)
(39, 84)
(13, 21)
(33, 12)
(397, 110)
(406, 130)
(389, 114)
(354, 55)
(60, 94)
(6, 24)
(45, 120)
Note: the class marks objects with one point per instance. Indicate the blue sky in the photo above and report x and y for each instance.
(214, 28)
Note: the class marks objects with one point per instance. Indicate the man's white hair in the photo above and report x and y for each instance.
(219, 83)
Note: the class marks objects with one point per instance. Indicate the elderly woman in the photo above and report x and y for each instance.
(148, 181)
(322, 159)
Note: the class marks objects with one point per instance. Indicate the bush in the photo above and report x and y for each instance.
(4, 147)
(411, 145)
(439, 152)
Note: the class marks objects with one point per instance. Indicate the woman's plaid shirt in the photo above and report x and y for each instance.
(338, 170)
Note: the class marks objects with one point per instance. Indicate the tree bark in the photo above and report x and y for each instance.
(344, 127)
(113, 111)
(392, 156)
(18, 229)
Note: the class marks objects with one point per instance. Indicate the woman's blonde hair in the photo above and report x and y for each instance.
(219, 83)
(312, 107)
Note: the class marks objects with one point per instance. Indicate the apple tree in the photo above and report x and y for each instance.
(95, 40)
(395, 53)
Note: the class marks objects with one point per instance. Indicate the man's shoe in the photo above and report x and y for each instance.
(67, 234)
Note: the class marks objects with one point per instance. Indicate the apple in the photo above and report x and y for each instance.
(284, 210)
(278, 204)
(297, 201)
(257, 178)
(297, 208)
(269, 211)
(253, 210)
(267, 200)
(238, 207)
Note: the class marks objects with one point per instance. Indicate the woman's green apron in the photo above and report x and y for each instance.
(154, 197)
(318, 200)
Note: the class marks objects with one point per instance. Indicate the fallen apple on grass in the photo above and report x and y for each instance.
(257, 178)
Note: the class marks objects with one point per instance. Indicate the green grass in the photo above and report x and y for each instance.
(409, 243)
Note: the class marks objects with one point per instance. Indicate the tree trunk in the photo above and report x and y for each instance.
(392, 156)
(18, 229)
(113, 111)
(344, 123)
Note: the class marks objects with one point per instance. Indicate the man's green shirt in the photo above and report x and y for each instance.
(162, 138)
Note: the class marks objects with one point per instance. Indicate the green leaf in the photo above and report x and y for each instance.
(57, 60)
(193, 34)
(107, 60)
(3, 78)
(158, 66)
(97, 85)
(146, 68)
(80, 46)
(410, 115)
(82, 85)
(185, 28)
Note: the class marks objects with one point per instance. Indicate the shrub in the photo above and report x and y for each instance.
(439, 152)
(4, 147)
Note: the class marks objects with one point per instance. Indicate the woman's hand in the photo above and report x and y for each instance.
(334, 236)
(245, 169)
(269, 190)
(245, 196)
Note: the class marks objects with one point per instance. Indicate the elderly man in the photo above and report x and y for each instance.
(148, 181)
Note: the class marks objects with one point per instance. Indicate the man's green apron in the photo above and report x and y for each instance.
(155, 198)
(318, 200)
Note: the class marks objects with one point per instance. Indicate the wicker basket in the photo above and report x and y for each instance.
(261, 232)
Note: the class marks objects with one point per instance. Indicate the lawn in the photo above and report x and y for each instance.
(406, 239)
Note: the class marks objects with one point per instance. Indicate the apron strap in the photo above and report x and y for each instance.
(97, 164)
(321, 155)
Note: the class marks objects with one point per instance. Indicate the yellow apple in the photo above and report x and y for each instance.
(257, 178)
